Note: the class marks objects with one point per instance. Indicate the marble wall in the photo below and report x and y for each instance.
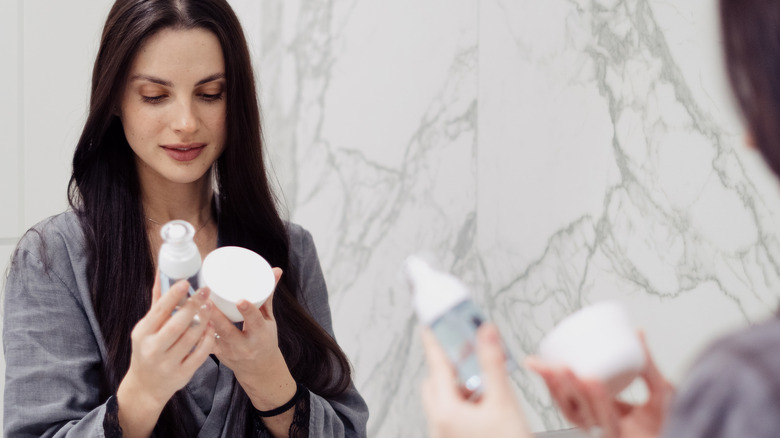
(550, 153)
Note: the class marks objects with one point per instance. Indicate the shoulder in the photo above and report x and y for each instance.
(753, 350)
(305, 266)
(302, 249)
(299, 236)
(53, 236)
(733, 386)
(56, 244)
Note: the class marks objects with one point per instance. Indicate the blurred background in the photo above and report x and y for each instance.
(551, 154)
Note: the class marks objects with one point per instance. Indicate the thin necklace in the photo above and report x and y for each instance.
(196, 231)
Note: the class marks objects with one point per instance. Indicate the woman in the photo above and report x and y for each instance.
(732, 390)
(91, 346)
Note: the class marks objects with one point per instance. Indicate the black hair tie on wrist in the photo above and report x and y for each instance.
(299, 391)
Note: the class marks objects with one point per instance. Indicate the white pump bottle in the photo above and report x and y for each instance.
(443, 303)
(179, 257)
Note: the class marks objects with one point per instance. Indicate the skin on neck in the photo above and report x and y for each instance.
(164, 200)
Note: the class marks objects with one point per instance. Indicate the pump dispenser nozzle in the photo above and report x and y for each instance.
(435, 292)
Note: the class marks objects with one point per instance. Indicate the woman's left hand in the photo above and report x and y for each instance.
(253, 353)
(244, 350)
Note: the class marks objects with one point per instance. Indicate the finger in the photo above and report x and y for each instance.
(161, 311)
(433, 407)
(254, 319)
(603, 408)
(441, 373)
(492, 362)
(659, 389)
(277, 276)
(544, 369)
(623, 408)
(650, 374)
(202, 349)
(432, 401)
(267, 309)
(574, 403)
(535, 364)
(191, 335)
(427, 393)
(156, 288)
(182, 320)
(224, 327)
(552, 377)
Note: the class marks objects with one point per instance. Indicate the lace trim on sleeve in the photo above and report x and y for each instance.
(111, 427)
(300, 423)
(258, 428)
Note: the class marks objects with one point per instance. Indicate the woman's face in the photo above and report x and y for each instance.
(173, 105)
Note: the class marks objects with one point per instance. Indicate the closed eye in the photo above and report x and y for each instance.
(153, 99)
(212, 97)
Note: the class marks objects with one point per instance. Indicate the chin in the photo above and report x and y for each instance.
(188, 176)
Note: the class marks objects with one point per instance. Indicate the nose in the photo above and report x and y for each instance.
(184, 119)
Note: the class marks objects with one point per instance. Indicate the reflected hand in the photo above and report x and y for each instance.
(588, 404)
(496, 414)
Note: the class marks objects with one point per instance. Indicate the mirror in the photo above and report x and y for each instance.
(550, 154)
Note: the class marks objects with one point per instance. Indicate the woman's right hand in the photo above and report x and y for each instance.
(588, 404)
(167, 349)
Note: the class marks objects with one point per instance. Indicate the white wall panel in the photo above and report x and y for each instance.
(60, 42)
(10, 144)
(5, 257)
(611, 167)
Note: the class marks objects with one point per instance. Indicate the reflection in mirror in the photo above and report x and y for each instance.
(551, 157)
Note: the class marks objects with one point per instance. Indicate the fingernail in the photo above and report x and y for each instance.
(204, 292)
(490, 334)
(180, 287)
(206, 306)
(243, 305)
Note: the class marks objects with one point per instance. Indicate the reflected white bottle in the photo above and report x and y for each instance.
(443, 303)
(179, 257)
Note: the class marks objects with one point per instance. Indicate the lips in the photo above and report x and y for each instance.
(184, 152)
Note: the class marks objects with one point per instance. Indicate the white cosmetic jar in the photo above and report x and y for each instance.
(233, 274)
(596, 342)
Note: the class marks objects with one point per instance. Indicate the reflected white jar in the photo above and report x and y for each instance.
(597, 342)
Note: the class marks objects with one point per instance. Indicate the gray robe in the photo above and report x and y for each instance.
(54, 348)
(733, 389)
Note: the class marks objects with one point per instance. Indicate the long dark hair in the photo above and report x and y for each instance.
(105, 193)
(751, 32)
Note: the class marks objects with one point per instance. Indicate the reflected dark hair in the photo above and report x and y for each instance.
(751, 33)
(105, 193)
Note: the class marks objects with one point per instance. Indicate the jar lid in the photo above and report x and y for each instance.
(234, 274)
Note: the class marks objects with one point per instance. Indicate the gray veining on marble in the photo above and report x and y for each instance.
(551, 154)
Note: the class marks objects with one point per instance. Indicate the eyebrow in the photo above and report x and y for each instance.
(165, 83)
